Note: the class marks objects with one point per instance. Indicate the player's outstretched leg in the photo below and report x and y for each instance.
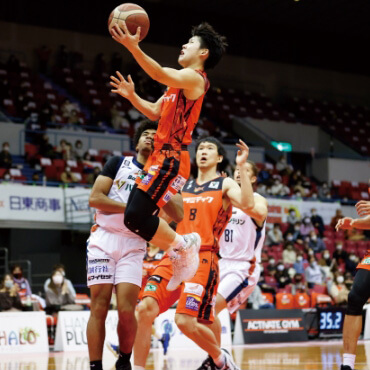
(186, 261)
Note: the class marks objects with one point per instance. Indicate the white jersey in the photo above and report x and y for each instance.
(242, 239)
(123, 171)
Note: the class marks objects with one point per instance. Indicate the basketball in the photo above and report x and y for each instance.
(134, 16)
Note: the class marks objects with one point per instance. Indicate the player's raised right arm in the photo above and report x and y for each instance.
(126, 88)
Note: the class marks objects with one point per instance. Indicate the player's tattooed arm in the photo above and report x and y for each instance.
(99, 196)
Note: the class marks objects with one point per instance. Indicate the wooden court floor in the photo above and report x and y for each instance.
(290, 356)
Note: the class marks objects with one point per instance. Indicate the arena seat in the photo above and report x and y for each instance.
(284, 301)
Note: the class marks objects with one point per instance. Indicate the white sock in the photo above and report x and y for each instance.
(349, 360)
(220, 361)
(177, 243)
(138, 367)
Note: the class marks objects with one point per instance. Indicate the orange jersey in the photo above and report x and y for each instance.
(204, 212)
(365, 262)
(179, 116)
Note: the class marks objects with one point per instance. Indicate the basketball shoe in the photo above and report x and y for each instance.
(346, 367)
(229, 362)
(186, 262)
(207, 364)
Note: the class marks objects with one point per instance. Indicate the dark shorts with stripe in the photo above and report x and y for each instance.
(165, 174)
(197, 297)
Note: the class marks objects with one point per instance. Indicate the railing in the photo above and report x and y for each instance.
(4, 264)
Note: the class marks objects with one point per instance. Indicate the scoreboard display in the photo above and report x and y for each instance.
(331, 321)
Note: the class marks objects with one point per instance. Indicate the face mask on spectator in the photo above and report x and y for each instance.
(299, 258)
(340, 279)
(280, 267)
(289, 238)
(353, 257)
(326, 255)
(6, 148)
(7, 177)
(313, 264)
(272, 261)
(310, 252)
(8, 284)
(307, 220)
(18, 275)
(339, 247)
(292, 213)
(313, 238)
(297, 228)
(57, 279)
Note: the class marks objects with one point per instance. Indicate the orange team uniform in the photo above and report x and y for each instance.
(203, 213)
(149, 265)
(365, 262)
(168, 168)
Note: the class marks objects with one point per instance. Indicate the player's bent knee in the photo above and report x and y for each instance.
(148, 309)
(184, 323)
(355, 304)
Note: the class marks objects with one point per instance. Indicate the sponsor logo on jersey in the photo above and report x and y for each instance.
(97, 269)
(170, 98)
(99, 277)
(204, 260)
(178, 183)
(156, 278)
(190, 184)
(214, 185)
(167, 197)
(99, 260)
(150, 288)
(126, 163)
(192, 303)
(366, 261)
(194, 288)
(120, 183)
(198, 199)
(200, 188)
(147, 178)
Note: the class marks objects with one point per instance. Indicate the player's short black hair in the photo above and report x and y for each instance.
(209, 139)
(145, 125)
(211, 40)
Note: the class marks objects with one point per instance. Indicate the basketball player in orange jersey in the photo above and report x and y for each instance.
(208, 202)
(178, 112)
(360, 291)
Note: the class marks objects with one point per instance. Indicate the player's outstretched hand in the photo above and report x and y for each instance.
(363, 208)
(344, 224)
(243, 153)
(125, 88)
(124, 37)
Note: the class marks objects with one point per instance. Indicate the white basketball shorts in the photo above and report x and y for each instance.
(113, 258)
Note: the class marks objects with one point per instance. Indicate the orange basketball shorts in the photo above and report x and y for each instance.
(197, 297)
(165, 174)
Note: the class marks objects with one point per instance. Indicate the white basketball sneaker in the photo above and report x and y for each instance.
(229, 362)
(185, 264)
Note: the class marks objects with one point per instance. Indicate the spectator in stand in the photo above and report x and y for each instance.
(289, 236)
(351, 263)
(279, 189)
(297, 236)
(292, 218)
(316, 243)
(348, 280)
(69, 153)
(67, 177)
(324, 191)
(299, 190)
(90, 179)
(289, 254)
(338, 290)
(67, 108)
(60, 267)
(271, 267)
(5, 157)
(262, 189)
(45, 148)
(61, 149)
(317, 222)
(282, 276)
(339, 254)
(299, 264)
(118, 119)
(79, 150)
(306, 226)
(9, 297)
(283, 167)
(74, 119)
(336, 218)
(275, 236)
(21, 281)
(355, 235)
(313, 273)
(298, 285)
(258, 301)
(58, 295)
(295, 177)
(326, 260)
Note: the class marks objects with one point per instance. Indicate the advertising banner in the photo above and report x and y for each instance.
(23, 332)
(71, 330)
(269, 326)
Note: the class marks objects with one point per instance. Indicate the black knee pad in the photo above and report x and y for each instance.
(355, 303)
